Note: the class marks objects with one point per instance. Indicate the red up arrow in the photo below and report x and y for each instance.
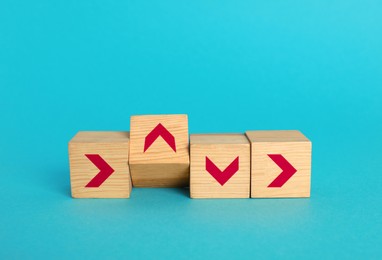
(285, 175)
(104, 167)
(159, 130)
(222, 176)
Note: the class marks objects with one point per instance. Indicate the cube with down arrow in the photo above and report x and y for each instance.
(220, 166)
(280, 164)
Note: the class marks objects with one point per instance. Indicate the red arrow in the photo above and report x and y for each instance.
(285, 175)
(159, 130)
(104, 167)
(222, 176)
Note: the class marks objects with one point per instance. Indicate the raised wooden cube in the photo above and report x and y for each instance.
(99, 165)
(280, 164)
(220, 166)
(159, 151)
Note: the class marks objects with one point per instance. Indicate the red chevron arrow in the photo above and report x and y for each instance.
(104, 167)
(222, 176)
(285, 175)
(159, 130)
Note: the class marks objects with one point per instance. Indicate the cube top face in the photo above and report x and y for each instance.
(205, 139)
(281, 164)
(276, 136)
(220, 166)
(99, 165)
(101, 137)
(159, 139)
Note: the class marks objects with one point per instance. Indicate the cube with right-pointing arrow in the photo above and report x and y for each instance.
(99, 165)
(280, 164)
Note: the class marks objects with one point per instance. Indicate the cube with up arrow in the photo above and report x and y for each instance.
(159, 151)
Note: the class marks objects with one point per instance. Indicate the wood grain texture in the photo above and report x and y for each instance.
(295, 148)
(161, 175)
(113, 147)
(159, 165)
(222, 149)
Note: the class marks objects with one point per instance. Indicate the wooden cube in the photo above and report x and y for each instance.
(220, 166)
(280, 164)
(99, 165)
(159, 151)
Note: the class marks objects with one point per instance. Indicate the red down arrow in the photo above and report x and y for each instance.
(222, 176)
(285, 175)
(104, 167)
(159, 130)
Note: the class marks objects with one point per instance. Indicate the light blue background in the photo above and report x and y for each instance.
(231, 66)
